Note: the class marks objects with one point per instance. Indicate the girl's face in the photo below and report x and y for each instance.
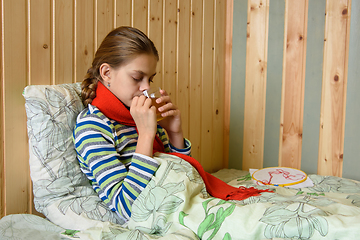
(133, 78)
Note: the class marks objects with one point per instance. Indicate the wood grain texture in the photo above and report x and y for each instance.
(227, 78)
(140, 11)
(123, 12)
(255, 85)
(218, 85)
(293, 83)
(17, 181)
(84, 35)
(196, 18)
(207, 123)
(332, 122)
(41, 45)
(156, 23)
(63, 31)
(312, 119)
(2, 106)
(104, 19)
(183, 63)
(170, 48)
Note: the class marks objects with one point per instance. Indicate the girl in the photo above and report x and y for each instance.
(116, 134)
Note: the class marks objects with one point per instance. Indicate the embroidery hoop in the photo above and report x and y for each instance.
(258, 176)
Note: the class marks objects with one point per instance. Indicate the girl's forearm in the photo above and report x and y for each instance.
(145, 145)
(177, 140)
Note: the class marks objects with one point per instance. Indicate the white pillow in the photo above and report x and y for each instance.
(61, 191)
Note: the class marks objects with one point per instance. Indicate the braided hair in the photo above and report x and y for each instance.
(119, 47)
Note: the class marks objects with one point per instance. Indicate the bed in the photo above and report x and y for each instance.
(175, 204)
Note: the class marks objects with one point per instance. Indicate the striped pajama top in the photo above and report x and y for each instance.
(106, 153)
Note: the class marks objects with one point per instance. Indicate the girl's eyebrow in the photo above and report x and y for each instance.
(142, 73)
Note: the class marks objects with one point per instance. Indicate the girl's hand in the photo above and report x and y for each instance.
(172, 120)
(144, 115)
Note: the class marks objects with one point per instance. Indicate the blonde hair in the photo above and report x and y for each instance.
(120, 46)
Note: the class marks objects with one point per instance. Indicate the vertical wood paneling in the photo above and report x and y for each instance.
(255, 86)
(40, 42)
(49, 50)
(293, 83)
(334, 88)
(156, 23)
(183, 62)
(195, 77)
(63, 59)
(169, 48)
(206, 84)
(314, 87)
(227, 78)
(104, 19)
(141, 13)
(2, 106)
(123, 13)
(15, 76)
(218, 84)
(84, 37)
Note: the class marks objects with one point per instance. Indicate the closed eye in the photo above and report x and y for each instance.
(142, 77)
(152, 77)
(137, 79)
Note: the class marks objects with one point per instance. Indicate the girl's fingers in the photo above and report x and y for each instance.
(140, 106)
(173, 112)
(134, 102)
(167, 107)
(140, 101)
(163, 99)
(146, 102)
(163, 92)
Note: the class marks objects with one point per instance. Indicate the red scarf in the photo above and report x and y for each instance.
(114, 109)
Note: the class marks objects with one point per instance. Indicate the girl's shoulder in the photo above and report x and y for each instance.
(92, 116)
(91, 112)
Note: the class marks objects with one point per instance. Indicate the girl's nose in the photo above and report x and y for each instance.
(145, 85)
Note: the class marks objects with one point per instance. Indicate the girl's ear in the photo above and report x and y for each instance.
(105, 72)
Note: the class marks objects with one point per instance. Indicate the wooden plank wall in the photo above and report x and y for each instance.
(333, 98)
(255, 87)
(53, 42)
(292, 94)
(1, 120)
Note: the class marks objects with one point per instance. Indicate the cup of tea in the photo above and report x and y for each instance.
(154, 93)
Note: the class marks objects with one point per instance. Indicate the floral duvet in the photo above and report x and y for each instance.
(175, 205)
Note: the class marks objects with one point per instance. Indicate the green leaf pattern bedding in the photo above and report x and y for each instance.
(174, 205)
